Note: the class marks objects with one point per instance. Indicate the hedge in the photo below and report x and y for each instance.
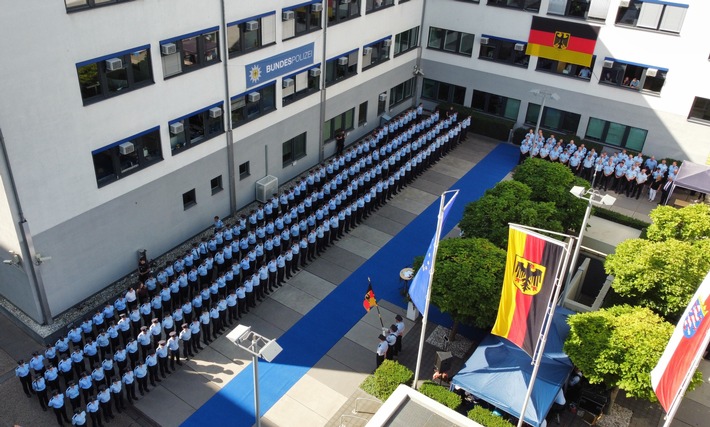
(440, 394)
(386, 379)
(485, 417)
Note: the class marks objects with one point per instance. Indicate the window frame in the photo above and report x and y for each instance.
(241, 26)
(621, 74)
(371, 7)
(243, 174)
(451, 97)
(402, 92)
(498, 44)
(398, 41)
(263, 106)
(524, 4)
(140, 145)
(102, 75)
(362, 114)
(199, 56)
(705, 117)
(209, 131)
(605, 135)
(381, 104)
(216, 184)
(91, 4)
(443, 41)
(546, 115)
(489, 106)
(189, 199)
(343, 119)
(353, 11)
(298, 146)
(346, 72)
(309, 90)
(379, 47)
(574, 69)
(310, 13)
(622, 20)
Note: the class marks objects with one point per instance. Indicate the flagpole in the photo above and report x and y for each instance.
(369, 282)
(686, 382)
(425, 315)
(540, 347)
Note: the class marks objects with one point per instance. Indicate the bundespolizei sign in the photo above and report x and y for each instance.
(278, 65)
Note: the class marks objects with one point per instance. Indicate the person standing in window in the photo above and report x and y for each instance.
(340, 142)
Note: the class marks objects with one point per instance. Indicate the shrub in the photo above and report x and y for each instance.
(440, 394)
(485, 417)
(386, 379)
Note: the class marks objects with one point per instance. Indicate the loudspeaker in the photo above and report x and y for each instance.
(443, 361)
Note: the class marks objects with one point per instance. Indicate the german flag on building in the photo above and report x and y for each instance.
(562, 41)
(531, 269)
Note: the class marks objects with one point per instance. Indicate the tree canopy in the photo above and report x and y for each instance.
(468, 276)
(690, 224)
(619, 346)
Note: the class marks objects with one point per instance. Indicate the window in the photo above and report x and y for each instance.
(529, 5)
(342, 10)
(342, 121)
(376, 53)
(251, 34)
(496, 105)
(700, 111)
(196, 128)
(585, 9)
(450, 41)
(406, 41)
(114, 74)
(306, 19)
(293, 149)
(553, 119)
(188, 199)
(381, 103)
(616, 134)
(190, 52)
(375, 5)
(362, 114)
(76, 5)
(127, 156)
(300, 85)
(652, 14)
(244, 170)
(469, 1)
(443, 92)
(566, 68)
(341, 68)
(506, 51)
(216, 184)
(633, 76)
(253, 104)
(402, 92)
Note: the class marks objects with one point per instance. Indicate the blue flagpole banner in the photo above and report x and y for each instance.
(278, 65)
(419, 286)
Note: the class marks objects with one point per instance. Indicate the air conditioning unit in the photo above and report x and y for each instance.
(288, 82)
(168, 48)
(519, 47)
(366, 51)
(343, 60)
(254, 97)
(114, 64)
(215, 112)
(287, 15)
(608, 63)
(382, 97)
(484, 40)
(387, 42)
(252, 25)
(651, 72)
(317, 7)
(126, 148)
(176, 128)
(314, 72)
(265, 187)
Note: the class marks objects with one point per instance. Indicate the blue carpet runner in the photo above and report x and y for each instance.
(306, 342)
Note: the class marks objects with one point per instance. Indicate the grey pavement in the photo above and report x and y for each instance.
(328, 393)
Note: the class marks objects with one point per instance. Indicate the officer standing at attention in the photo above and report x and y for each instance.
(391, 341)
(22, 371)
(399, 322)
(381, 350)
(57, 403)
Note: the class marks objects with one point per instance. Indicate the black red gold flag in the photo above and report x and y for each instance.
(563, 41)
(369, 300)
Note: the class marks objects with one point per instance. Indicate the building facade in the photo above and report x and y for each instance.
(145, 118)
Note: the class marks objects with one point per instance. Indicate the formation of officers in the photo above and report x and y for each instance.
(621, 172)
(136, 340)
(390, 345)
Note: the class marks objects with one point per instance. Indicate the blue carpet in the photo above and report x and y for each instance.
(316, 333)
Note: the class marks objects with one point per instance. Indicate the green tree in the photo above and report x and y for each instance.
(690, 224)
(551, 182)
(618, 347)
(468, 276)
(507, 202)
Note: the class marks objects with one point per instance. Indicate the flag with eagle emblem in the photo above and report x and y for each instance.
(532, 266)
(564, 41)
(369, 301)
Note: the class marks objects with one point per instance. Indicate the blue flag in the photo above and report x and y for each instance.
(419, 287)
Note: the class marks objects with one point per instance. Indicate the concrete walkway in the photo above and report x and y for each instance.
(329, 390)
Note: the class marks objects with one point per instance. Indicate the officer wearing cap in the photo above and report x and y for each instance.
(381, 350)
(186, 338)
(22, 371)
(162, 353)
(399, 322)
(391, 341)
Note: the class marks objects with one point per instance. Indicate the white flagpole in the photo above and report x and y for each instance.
(540, 347)
(686, 382)
(425, 315)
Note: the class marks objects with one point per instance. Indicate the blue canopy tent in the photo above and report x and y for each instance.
(499, 372)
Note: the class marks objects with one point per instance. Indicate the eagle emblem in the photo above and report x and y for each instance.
(528, 276)
(561, 40)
